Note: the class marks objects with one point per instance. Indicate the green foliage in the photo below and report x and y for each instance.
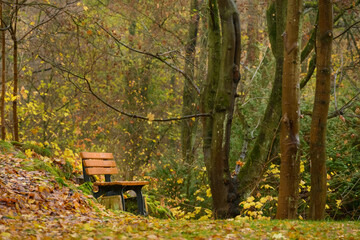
(156, 209)
(86, 188)
(37, 148)
(5, 146)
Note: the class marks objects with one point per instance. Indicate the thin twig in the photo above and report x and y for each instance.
(347, 29)
(156, 56)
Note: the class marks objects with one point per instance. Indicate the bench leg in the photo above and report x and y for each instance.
(122, 198)
(140, 201)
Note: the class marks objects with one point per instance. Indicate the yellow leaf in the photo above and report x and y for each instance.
(5, 235)
(23, 92)
(247, 205)
(32, 23)
(250, 199)
(28, 153)
(87, 227)
(151, 117)
(198, 198)
(208, 192)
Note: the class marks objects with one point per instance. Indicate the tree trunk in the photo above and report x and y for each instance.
(15, 89)
(188, 127)
(320, 111)
(257, 159)
(3, 79)
(219, 98)
(289, 133)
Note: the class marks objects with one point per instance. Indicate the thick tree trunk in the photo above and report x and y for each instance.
(289, 133)
(3, 79)
(259, 155)
(219, 98)
(190, 96)
(320, 111)
(211, 83)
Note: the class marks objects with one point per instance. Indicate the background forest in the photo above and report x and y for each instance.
(116, 76)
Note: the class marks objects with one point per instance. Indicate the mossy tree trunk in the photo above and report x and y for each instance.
(219, 98)
(289, 133)
(320, 111)
(260, 153)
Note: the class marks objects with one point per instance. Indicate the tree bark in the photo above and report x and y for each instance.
(320, 111)
(219, 98)
(289, 133)
(3, 76)
(15, 89)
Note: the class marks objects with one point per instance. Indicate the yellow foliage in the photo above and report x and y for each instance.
(250, 199)
(246, 206)
(198, 198)
(208, 192)
(29, 153)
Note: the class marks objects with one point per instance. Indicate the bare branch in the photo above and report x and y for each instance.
(156, 56)
(61, 68)
(40, 24)
(337, 112)
(346, 30)
(343, 108)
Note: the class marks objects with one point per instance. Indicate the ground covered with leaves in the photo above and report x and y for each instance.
(34, 204)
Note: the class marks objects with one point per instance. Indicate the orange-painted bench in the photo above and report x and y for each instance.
(104, 164)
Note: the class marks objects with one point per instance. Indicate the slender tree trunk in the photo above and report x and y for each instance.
(259, 155)
(188, 128)
(219, 93)
(3, 79)
(15, 89)
(320, 111)
(289, 133)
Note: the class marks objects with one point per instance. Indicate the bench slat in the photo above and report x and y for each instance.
(96, 155)
(99, 163)
(122, 183)
(100, 171)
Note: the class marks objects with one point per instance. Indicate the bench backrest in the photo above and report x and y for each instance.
(98, 164)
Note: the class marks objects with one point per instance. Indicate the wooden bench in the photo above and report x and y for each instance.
(104, 164)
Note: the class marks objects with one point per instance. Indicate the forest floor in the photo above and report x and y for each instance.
(34, 205)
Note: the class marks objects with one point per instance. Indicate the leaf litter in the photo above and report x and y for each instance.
(33, 205)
